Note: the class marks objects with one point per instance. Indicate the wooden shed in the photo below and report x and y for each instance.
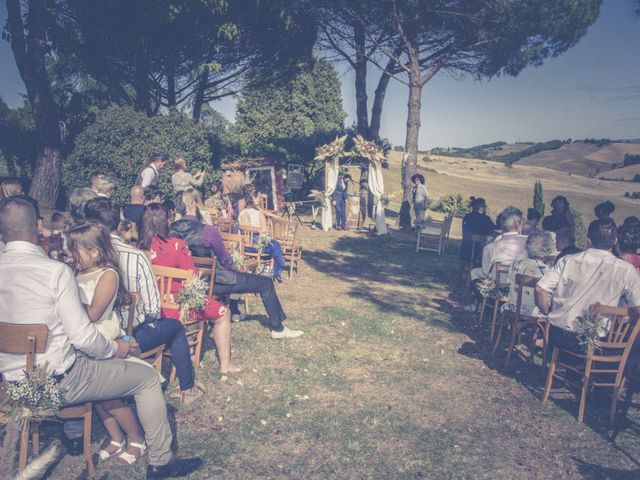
(266, 174)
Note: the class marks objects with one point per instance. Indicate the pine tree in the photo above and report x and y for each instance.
(538, 197)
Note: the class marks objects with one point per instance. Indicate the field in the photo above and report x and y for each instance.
(501, 185)
(392, 379)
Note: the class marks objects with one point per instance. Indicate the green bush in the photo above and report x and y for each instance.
(120, 141)
(453, 203)
(580, 229)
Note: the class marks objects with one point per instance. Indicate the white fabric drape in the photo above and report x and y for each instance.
(333, 166)
(376, 187)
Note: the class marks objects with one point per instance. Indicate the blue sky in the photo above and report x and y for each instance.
(592, 90)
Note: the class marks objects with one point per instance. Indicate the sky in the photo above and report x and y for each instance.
(590, 91)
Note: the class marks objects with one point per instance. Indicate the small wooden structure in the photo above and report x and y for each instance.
(266, 174)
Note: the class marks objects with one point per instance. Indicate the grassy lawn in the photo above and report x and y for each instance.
(391, 380)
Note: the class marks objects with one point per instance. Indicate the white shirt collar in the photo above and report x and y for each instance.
(22, 246)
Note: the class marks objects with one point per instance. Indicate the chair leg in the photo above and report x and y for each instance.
(551, 373)
(512, 343)
(87, 442)
(482, 309)
(583, 393)
(503, 321)
(614, 405)
(35, 438)
(494, 317)
(24, 445)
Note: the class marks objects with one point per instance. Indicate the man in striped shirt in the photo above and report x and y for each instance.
(149, 329)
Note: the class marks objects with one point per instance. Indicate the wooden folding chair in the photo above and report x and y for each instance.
(608, 360)
(255, 251)
(517, 321)
(501, 272)
(284, 231)
(433, 235)
(29, 340)
(477, 244)
(154, 356)
(194, 329)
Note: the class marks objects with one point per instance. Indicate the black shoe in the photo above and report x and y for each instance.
(177, 467)
(278, 278)
(74, 446)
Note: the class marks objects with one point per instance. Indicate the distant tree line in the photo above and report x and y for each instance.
(631, 159)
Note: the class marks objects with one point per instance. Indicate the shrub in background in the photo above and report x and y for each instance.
(453, 203)
(120, 141)
(580, 229)
(538, 198)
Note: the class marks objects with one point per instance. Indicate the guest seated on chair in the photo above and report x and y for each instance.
(539, 245)
(99, 374)
(628, 243)
(561, 215)
(169, 251)
(533, 219)
(251, 216)
(205, 241)
(506, 248)
(149, 329)
(477, 222)
(578, 281)
(133, 211)
(566, 242)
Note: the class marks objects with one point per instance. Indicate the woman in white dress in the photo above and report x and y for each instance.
(102, 293)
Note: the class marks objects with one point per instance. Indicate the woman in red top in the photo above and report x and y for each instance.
(173, 252)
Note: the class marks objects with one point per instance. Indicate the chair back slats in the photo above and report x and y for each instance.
(477, 244)
(282, 229)
(621, 335)
(165, 276)
(501, 270)
(522, 282)
(25, 339)
(206, 266)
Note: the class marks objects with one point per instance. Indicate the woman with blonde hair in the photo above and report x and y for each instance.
(183, 180)
(102, 293)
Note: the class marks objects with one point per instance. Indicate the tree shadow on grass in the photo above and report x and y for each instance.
(384, 271)
(592, 471)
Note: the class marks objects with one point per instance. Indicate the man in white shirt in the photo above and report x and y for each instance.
(578, 281)
(44, 291)
(150, 175)
(506, 248)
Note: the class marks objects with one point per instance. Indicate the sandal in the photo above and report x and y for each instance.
(104, 455)
(129, 458)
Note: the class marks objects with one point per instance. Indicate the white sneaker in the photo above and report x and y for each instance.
(470, 308)
(286, 333)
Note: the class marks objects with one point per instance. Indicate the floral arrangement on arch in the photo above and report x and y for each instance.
(367, 149)
(332, 149)
(192, 297)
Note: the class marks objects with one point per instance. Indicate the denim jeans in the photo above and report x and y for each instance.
(170, 332)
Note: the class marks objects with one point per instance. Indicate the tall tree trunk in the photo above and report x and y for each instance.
(198, 100)
(378, 99)
(410, 161)
(29, 52)
(362, 114)
(141, 82)
(171, 86)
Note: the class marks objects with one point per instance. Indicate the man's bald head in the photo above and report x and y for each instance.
(18, 220)
(137, 194)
